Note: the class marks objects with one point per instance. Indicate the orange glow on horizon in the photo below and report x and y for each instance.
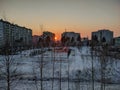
(56, 38)
(84, 31)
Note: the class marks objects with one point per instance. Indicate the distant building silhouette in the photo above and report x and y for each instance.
(70, 39)
(85, 41)
(14, 35)
(102, 37)
(46, 39)
(117, 41)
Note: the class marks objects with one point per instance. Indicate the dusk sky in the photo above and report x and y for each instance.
(82, 16)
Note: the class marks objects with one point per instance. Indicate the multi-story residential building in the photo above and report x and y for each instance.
(117, 41)
(70, 39)
(46, 39)
(1, 35)
(102, 37)
(14, 35)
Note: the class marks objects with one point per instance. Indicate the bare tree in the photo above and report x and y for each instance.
(41, 61)
(35, 76)
(41, 69)
(9, 72)
(103, 62)
(53, 59)
(68, 74)
(78, 72)
(92, 63)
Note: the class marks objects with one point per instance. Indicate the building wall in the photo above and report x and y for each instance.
(117, 41)
(50, 34)
(47, 38)
(1, 34)
(103, 36)
(70, 38)
(14, 35)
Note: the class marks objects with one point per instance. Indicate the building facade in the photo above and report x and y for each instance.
(47, 39)
(70, 39)
(102, 37)
(14, 35)
(117, 41)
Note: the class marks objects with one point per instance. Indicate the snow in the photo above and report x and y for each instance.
(79, 60)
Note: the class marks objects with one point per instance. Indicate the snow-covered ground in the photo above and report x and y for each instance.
(78, 64)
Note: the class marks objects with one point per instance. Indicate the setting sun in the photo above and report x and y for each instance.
(55, 38)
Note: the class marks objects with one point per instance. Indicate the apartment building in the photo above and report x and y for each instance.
(70, 39)
(117, 41)
(103, 36)
(14, 35)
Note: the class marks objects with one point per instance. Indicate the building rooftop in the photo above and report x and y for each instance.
(13, 24)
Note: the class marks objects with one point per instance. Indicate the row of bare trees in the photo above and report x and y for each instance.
(103, 54)
(9, 73)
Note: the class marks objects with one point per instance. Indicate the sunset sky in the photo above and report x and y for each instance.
(82, 16)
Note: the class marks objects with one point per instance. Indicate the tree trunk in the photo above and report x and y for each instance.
(8, 73)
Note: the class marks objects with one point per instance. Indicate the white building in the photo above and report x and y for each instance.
(70, 38)
(14, 35)
(103, 36)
